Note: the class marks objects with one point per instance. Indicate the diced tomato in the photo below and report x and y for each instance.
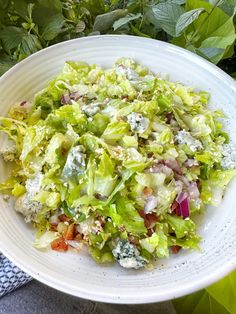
(59, 245)
(63, 218)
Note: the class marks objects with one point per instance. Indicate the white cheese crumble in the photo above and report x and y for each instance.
(8, 151)
(184, 137)
(229, 156)
(91, 109)
(25, 203)
(27, 207)
(128, 255)
(137, 122)
(33, 185)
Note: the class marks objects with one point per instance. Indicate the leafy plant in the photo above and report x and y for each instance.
(204, 27)
(216, 299)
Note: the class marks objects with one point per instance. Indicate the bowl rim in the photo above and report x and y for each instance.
(207, 280)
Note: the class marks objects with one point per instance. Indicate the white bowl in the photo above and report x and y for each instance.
(77, 274)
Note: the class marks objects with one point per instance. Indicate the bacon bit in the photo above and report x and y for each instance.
(133, 240)
(63, 218)
(78, 237)
(101, 219)
(64, 151)
(70, 233)
(125, 97)
(59, 245)
(150, 155)
(147, 191)
(149, 219)
(175, 249)
(169, 117)
(53, 227)
(150, 232)
(23, 103)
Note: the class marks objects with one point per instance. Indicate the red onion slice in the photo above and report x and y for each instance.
(193, 191)
(183, 205)
(150, 204)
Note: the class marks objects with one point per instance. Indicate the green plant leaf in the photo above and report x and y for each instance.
(166, 16)
(228, 6)
(213, 48)
(222, 38)
(21, 8)
(224, 292)
(29, 44)
(219, 298)
(4, 4)
(53, 27)
(124, 20)
(44, 10)
(187, 18)
(215, 3)
(5, 63)
(105, 21)
(176, 1)
(212, 54)
(11, 37)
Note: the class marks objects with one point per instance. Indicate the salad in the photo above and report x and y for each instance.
(116, 160)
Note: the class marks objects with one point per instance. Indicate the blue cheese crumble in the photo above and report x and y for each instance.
(8, 151)
(27, 207)
(128, 256)
(228, 156)
(137, 122)
(184, 137)
(75, 163)
(25, 204)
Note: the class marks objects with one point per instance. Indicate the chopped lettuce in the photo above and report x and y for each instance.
(118, 159)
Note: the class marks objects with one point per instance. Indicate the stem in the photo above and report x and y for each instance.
(200, 26)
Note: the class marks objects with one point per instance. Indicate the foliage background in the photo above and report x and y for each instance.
(204, 27)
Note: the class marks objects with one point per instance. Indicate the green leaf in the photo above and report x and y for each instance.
(212, 54)
(80, 26)
(105, 21)
(224, 292)
(228, 6)
(175, 1)
(124, 20)
(45, 9)
(187, 18)
(30, 44)
(167, 15)
(5, 63)
(198, 303)
(53, 27)
(215, 3)
(222, 38)
(12, 36)
(219, 298)
(4, 4)
(21, 8)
